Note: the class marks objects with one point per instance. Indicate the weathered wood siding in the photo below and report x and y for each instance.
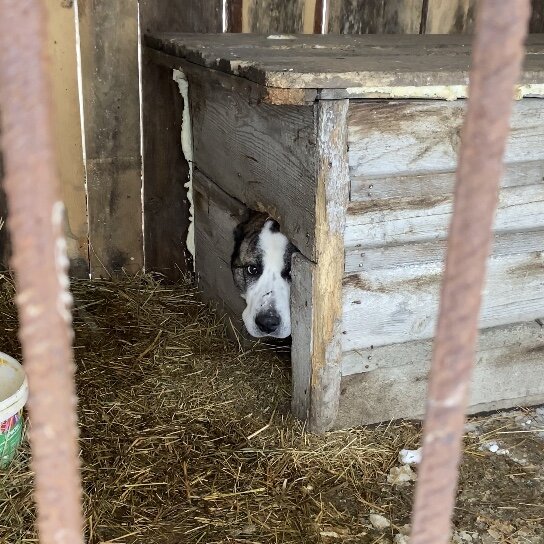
(375, 16)
(400, 304)
(165, 169)
(389, 382)
(5, 249)
(67, 128)
(262, 155)
(317, 293)
(402, 159)
(109, 63)
(451, 17)
(216, 216)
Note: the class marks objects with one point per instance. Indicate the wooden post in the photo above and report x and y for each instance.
(318, 286)
(109, 63)
(61, 41)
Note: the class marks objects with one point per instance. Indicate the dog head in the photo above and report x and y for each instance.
(261, 268)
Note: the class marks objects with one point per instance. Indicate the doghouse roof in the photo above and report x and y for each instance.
(353, 66)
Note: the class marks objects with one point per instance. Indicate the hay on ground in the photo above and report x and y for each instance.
(186, 438)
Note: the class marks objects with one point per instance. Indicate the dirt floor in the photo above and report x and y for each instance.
(186, 438)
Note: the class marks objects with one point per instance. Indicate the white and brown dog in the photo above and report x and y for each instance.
(261, 268)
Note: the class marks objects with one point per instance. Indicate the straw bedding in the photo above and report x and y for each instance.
(187, 438)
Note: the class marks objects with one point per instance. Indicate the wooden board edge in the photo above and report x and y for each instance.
(255, 91)
(331, 204)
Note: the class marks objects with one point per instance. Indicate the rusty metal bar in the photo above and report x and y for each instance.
(501, 27)
(39, 260)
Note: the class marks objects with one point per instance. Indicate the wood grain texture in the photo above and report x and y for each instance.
(359, 61)
(180, 16)
(216, 216)
(400, 304)
(260, 154)
(61, 40)
(390, 382)
(451, 17)
(331, 202)
(253, 92)
(273, 16)
(5, 245)
(362, 259)
(356, 16)
(421, 185)
(422, 136)
(400, 221)
(109, 59)
(375, 16)
(165, 169)
(234, 15)
(303, 273)
(536, 24)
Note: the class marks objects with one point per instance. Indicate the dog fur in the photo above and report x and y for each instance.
(261, 269)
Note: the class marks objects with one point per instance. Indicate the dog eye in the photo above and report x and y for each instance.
(252, 270)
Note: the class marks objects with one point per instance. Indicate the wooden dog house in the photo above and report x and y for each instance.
(350, 142)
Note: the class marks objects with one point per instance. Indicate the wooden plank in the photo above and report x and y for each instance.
(303, 273)
(369, 188)
(234, 16)
(402, 16)
(166, 191)
(216, 216)
(356, 16)
(508, 373)
(249, 148)
(536, 23)
(109, 64)
(67, 128)
(312, 17)
(192, 16)
(376, 16)
(253, 91)
(404, 300)
(362, 259)
(493, 342)
(451, 17)
(359, 61)
(5, 246)
(326, 300)
(418, 137)
(273, 16)
(166, 172)
(405, 220)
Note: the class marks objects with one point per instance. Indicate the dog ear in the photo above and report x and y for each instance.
(274, 225)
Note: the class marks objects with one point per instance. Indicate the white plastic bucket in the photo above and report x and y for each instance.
(13, 397)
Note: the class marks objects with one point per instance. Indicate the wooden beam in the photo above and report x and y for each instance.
(274, 16)
(317, 324)
(109, 63)
(67, 126)
(451, 17)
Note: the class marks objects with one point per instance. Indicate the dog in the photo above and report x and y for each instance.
(261, 269)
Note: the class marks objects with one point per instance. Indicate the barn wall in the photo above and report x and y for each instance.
(67, 127)
(107, 230)
(362, 16)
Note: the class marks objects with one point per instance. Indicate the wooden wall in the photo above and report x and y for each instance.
(114, 222)
(362, 16)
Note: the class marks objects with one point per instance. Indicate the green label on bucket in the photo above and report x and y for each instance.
(11, 433)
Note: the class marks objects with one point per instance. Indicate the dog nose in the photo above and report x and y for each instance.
(268, 321)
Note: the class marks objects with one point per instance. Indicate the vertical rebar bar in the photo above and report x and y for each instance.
(39, 260)
(501, 27)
